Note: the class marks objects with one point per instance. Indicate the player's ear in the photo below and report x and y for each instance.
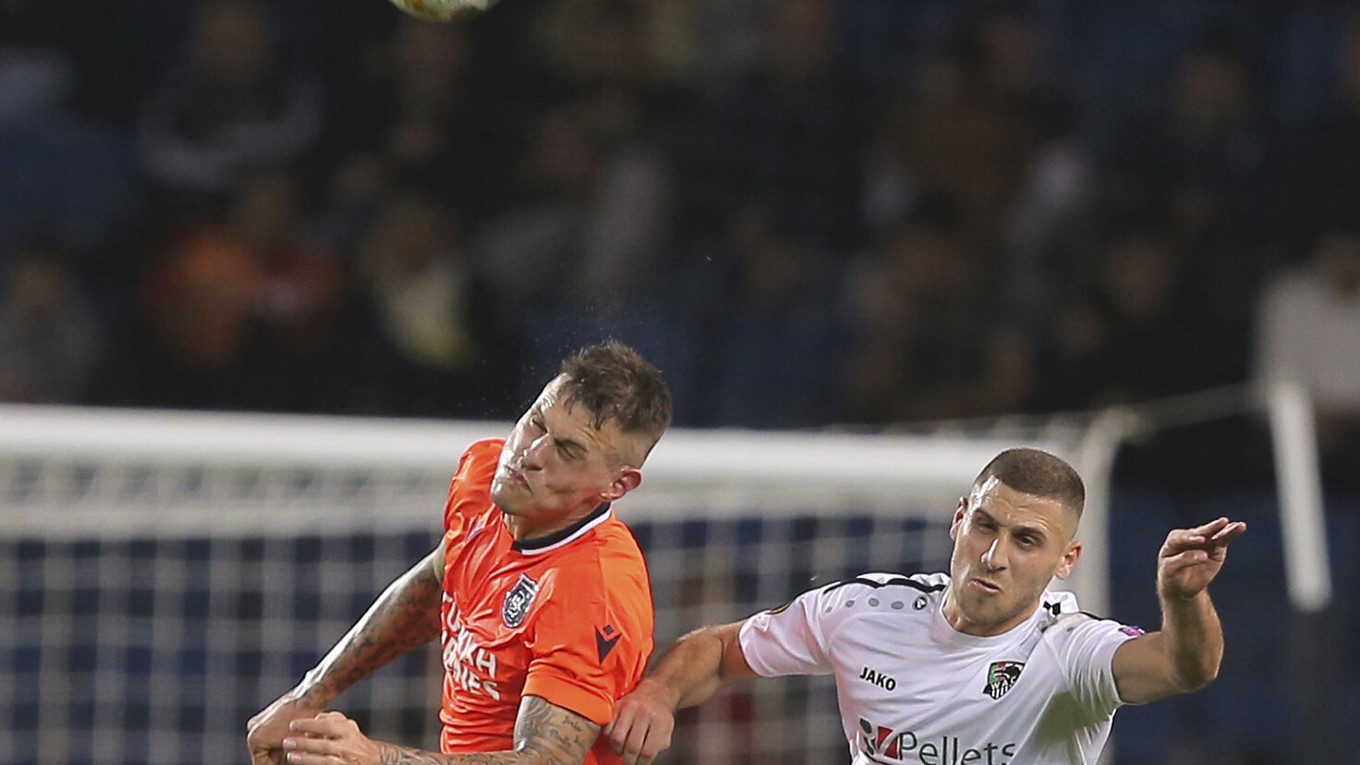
(629, 478)
(1069, 559)
(959, 512)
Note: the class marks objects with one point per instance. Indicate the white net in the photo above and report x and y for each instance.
(167, 575)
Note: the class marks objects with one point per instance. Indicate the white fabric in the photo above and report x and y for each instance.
(914, 690)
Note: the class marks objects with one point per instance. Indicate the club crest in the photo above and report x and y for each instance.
(1001, 675)
(518, 601)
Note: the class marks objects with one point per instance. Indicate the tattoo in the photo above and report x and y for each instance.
(404, 617)
(545, 734)
(560, 735)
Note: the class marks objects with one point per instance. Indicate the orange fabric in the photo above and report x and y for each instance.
(570, 623)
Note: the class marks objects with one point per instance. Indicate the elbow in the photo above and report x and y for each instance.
(1191, 679)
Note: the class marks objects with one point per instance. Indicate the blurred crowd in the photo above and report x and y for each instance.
(808, 212)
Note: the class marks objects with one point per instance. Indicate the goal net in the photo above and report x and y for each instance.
(167, 575)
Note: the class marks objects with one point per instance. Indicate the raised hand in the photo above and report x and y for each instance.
(1191, 558)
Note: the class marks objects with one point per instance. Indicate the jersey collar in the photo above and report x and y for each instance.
(564, 537)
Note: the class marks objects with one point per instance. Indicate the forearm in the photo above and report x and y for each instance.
(404, 617)
(698, 665)
(1192, 639)
(391, 754)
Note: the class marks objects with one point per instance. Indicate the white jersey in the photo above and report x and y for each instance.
(912, 689)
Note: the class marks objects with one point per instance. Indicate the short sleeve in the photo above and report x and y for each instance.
(588, 649)
(1085, 648)
(789, 640)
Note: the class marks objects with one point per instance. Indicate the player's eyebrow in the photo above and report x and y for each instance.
(1015, 528)
(574, 449)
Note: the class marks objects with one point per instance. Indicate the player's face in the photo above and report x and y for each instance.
(1008, 546)
(556, 466)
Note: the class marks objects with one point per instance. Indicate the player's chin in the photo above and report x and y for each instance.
(509, 497)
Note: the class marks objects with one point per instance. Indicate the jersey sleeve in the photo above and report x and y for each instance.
(791, 639)
(589, 647)
(1085, 648)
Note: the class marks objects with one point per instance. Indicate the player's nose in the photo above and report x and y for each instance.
(532, 456)
(994, 557)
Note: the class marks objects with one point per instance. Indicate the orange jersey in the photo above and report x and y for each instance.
(567, 618)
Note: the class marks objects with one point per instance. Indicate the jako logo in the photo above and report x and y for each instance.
(878, 678)
(884, 744)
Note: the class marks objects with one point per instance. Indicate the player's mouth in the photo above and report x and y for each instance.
(985, 586)
(514, 477)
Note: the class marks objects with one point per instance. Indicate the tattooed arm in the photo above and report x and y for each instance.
(404, 617)
(545, 734)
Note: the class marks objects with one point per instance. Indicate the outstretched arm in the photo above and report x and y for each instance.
(691, 671)
(1185, 654)
(404, 617)
(545, 734)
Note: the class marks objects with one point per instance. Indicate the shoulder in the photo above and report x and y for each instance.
(478, 463)
(607, 560)
(469, 490)
(481, 454)
(861, 606)
(873, 593)
(887, 582)
(1064, 624)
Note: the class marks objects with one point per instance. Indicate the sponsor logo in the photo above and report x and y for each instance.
(467, 663)
(518, 601)
(1130, 630)
(878, 678)
(603, 642)
(1001, 675)
(884, 745)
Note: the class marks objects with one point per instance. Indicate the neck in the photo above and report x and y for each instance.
(954, 617)
(524, 529)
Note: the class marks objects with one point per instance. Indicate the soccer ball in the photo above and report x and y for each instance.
(444, 10)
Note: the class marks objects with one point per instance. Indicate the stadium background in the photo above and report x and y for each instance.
(862, 213)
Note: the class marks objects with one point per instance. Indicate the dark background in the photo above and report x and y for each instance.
(854, 213)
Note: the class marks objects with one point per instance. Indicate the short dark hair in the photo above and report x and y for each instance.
(1036, 472)
(615, 383)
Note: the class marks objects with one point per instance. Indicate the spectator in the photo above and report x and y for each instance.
(427, 338)
(927, 340)
(233, 106)
(1121, 336)
(593, 213)
(1309, 331)
(971, 128)
(788, 129)
(193, 342)
(241, 310)
(1327, 150)
(412, 112)
(47, 338)
(775, 337)
(1206, 155)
